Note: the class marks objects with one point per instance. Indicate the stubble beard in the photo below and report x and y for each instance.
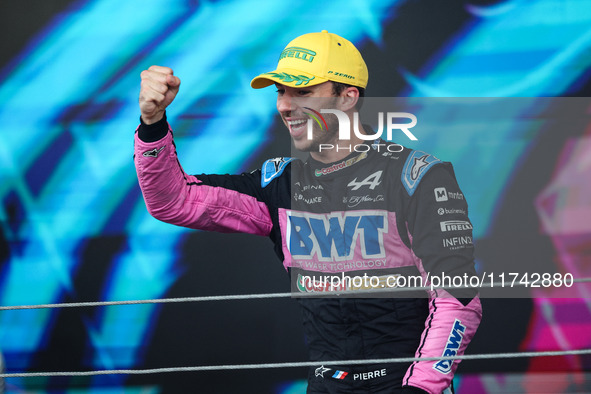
(320, 136)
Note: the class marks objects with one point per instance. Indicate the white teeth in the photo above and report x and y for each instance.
(296, 123)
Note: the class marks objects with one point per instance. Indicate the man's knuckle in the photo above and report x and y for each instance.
(160, 88)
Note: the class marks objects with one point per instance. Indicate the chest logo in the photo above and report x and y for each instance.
(372, 181)
(336, 236)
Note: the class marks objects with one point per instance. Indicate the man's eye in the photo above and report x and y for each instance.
(303, 92)
(280, 91)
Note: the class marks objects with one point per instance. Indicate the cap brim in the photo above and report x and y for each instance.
(287, 77)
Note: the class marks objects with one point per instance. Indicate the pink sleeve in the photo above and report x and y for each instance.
(449, 329)
(177, 198)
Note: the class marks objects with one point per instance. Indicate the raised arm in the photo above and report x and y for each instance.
(173, 196)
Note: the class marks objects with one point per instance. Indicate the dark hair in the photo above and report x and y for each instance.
(338, 87)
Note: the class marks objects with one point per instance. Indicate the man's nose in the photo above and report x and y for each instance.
(284, 103)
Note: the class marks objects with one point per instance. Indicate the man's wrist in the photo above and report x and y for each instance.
(152, 119)
(154, 131)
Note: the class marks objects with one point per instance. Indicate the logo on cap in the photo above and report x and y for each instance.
(298, 53)
(287, 78)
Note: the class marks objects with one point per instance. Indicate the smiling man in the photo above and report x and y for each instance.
(343, 221)
(292, 106)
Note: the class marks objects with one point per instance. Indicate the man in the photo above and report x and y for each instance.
(354, 208)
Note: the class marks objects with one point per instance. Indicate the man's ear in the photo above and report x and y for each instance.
(348, 99)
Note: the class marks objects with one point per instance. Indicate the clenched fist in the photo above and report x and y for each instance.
(159, 88)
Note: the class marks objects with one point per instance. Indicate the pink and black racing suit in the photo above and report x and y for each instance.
(387, 212)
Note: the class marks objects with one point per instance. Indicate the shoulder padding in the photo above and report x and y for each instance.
(416, 166)
(273, 168)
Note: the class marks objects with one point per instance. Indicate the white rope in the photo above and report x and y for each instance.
(268, 365)
(153, 301)
(250, 296)
(293, 364)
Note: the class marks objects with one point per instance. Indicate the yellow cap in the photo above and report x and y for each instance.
(315, 58)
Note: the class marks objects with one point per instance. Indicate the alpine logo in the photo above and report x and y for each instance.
(455, 225)
(372, 181)
(336, 236)
(454, 341)
(153, 153)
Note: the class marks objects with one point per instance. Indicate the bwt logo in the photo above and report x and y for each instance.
(345, 124)
(334, 236)
(451, 348)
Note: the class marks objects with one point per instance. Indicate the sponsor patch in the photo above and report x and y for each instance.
(454, 341)
(339, 283)
(340, 166)
(335, 236)
(306, 200)
(455, 225)
(320, 371)
(353, 201)
(153, 153)
(273, 168)
(455, 243)
(441, 195)
(372, 181)
(452, 211)
(416, 166)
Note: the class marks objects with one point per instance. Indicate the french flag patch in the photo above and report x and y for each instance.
(340, 374)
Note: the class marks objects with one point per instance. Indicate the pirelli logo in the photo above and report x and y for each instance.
(298, 53)
(455, 225)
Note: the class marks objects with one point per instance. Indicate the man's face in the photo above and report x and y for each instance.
(292, 104)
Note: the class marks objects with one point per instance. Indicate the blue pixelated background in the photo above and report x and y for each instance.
(74, 227)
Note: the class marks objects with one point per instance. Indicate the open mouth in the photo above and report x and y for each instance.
(297, 126)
